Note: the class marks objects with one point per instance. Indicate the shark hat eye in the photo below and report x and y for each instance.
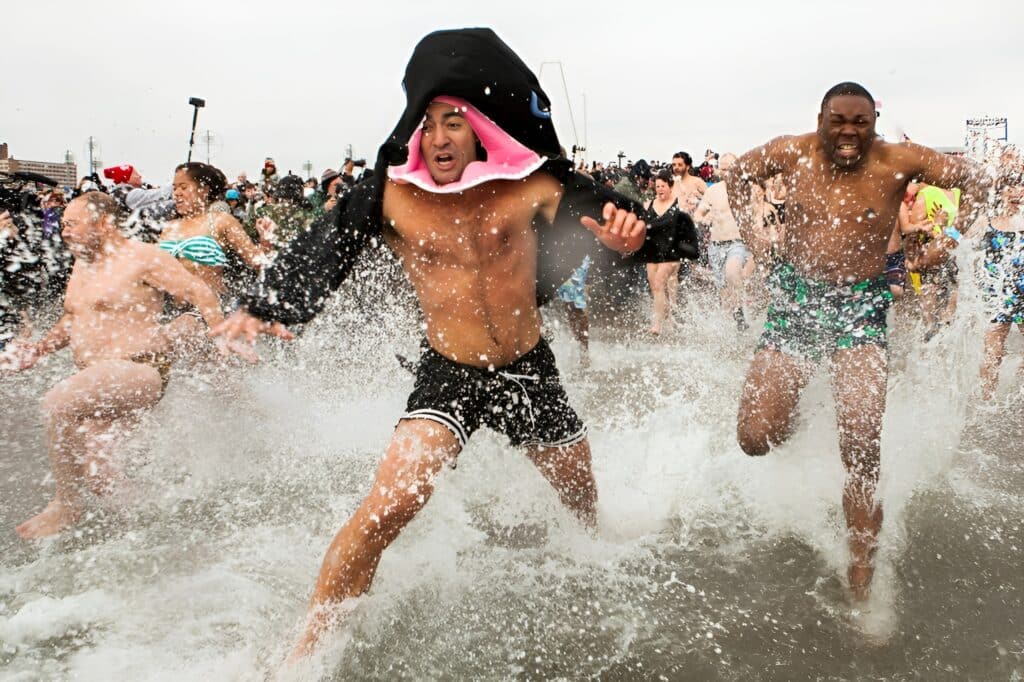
(535, 107)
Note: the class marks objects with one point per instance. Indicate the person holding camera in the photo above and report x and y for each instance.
(331, 187)
(348, 170)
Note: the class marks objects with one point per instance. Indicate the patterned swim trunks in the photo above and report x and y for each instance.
(811, 319)
(1004, 276)
(574, 289)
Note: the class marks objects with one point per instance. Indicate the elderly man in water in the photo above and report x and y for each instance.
(111, 321)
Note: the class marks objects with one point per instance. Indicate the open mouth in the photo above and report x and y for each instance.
(444, 161)
(848, 150)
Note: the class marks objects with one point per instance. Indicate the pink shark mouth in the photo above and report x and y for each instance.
(507, 158)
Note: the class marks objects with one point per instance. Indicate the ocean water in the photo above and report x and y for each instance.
(707, 565)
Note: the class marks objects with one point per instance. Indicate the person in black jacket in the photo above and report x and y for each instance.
(464, 211)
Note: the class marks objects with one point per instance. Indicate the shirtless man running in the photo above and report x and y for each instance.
(687, 188)
(112, 306)
(729, 258)
(828, 290)
(471, 254)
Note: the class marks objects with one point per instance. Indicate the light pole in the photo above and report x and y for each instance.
(197, 104)
(565, 89)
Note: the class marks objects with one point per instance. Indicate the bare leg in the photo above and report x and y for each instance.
(671, 273)
(770, 396)
(949, 310)
(657, 285)
(579, 323)
(99, 470)
(749, 265)
(859, 378)
(569, 471)
(995, 349)
(732, 293)
(930, 305)
(419, 449)
(77, 411)
(65, 508)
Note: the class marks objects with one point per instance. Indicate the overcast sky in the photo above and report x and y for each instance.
(300, 81)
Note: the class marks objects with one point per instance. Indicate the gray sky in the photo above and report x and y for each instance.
(300, 81)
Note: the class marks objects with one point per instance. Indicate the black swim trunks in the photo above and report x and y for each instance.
(523, 400)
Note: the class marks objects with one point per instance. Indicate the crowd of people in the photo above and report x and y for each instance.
(200, 217)
(809, 218)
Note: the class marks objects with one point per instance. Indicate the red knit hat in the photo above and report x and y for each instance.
(119, 174)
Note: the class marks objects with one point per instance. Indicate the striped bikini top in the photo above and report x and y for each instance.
(201, 249)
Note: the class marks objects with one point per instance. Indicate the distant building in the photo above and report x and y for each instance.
(986, 137)
(65, 173)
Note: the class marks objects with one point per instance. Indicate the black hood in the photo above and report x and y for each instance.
(476, 65)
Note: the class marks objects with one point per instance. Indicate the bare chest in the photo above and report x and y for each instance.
(188, 227)
(106, 289)
(689, 185)
(842, 206)
(462, 233)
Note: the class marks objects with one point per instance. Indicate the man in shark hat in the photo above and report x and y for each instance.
(471, 195)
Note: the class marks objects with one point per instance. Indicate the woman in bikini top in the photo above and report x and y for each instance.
(201, 238)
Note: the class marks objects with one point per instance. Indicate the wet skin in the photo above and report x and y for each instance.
(111, 319)
(472, 259)
(844, 191)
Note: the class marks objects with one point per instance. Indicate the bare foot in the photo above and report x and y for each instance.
(52, 520)
(863, 546)
(304, 648)
(859, 577)
(656, 331)
(321, 619)
(317, 622)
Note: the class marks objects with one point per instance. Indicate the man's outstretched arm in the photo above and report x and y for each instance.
(23, 354)
(298, 283)
(949, 172)
(621, 229)
(584, 201)
(756, 166)
(166, 274)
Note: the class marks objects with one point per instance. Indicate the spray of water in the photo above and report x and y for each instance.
(707, 564)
